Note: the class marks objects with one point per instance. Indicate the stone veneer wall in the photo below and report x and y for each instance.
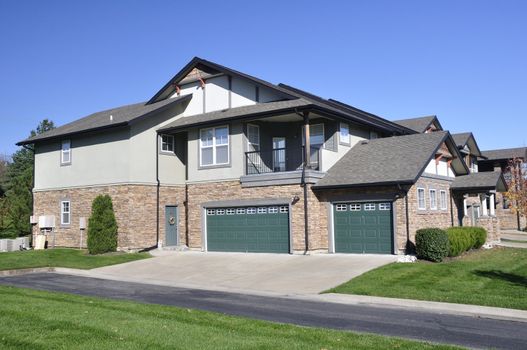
(229, 190)
(508, 219)
(134, 206)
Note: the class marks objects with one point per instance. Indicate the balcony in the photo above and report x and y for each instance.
(280, 160)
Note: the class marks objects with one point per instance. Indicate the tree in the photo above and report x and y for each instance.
(102, 226)
(517, 182)
(18, 186)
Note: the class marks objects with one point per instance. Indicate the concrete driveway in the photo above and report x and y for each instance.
(256, 273)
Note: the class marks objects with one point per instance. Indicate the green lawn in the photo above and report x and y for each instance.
(73, 258)
(496, 277)
(43, 320)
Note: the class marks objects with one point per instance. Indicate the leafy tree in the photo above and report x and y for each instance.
(18, 186)
(517, 182)
(102, 226)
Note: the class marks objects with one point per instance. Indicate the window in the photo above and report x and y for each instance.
(167, 144)
(273, 210)
(443, 199)
(316, 135)
(65, 153)
(433, 200)
(230, 211)
(253, 137)
(421, 199)
(355, 207)
(214, 146)
(284, 209)
(251, 210)
(65, 213)
(344, 133)
(369, 206)
(240, 211)
(262, 210)
(384, 206)
(211, 212)
(220, 211)
(341, 207)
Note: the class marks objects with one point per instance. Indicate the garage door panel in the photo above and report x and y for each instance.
(248, 229)
(363, 231)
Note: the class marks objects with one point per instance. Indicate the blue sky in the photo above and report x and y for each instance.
(464, 61)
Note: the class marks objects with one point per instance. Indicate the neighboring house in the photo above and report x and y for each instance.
(498, 160)
(219, 160)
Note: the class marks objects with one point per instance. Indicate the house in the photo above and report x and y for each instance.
(218, 160)
(498, 160)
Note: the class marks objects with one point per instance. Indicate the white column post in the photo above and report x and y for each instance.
(465, 209)
(492, 205)
(484, 205)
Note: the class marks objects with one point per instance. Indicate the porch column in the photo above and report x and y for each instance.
(465, 209)
(484, 205)
(307, 141)
(492, 204)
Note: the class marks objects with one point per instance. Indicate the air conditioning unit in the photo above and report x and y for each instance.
(46, 222)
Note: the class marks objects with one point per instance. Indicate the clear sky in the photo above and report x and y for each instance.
(464, 61)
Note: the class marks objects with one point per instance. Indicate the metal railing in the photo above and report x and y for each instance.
(279, 160)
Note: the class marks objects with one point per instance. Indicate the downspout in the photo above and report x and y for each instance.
(158, 184)
(307, 155)
(451, 208)
(32, 150)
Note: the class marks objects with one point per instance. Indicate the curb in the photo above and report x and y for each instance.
(5, 273)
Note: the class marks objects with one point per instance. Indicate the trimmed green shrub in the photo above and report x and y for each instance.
(463, 239)
(431, 244)
(102, 226)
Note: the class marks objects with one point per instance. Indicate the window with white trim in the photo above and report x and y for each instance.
(369, 206)
(262, 210)
(385, 206)
(344, 133)
(220, 211)
(284, 210)
(273, 210)
(341, 207)
(433, 199)
(214, 146)
(65, 213)
(355, 207)
(251, 210)
(211, 211)
(443, 200)
(230, 211)
(421, 204)
(253, 137)
(167, 144)
(240, 211)
(65, 152)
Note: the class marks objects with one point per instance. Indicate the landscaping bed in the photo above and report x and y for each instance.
(495, 277)
(72, 258)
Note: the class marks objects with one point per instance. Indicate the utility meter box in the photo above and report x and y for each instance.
(82, 223)
(46, 222)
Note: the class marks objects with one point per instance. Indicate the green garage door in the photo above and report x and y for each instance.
(363, 227)
(248, 229)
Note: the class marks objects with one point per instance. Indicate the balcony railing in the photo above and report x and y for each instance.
(279, 160)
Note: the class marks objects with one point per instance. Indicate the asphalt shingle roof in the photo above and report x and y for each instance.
(506, 153)
(488, 180)
(419, 124)
(390, 160)
(120, 116)
(461, 139)
(238, 112)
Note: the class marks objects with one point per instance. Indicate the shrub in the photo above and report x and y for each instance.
(462, 239)
(102, 226)
(431, 244)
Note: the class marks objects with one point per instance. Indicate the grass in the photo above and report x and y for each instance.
(496, 277)
(42, 320)
(73, 258)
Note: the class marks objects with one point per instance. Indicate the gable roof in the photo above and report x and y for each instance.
(464, 138)
(110, 118)
(388, 161)
(348, 111)
(169, 88)
(483, 181)
(419, 124)
(230, 114)
(506, 153)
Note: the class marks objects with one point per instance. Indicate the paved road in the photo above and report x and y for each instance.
(466, 331)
